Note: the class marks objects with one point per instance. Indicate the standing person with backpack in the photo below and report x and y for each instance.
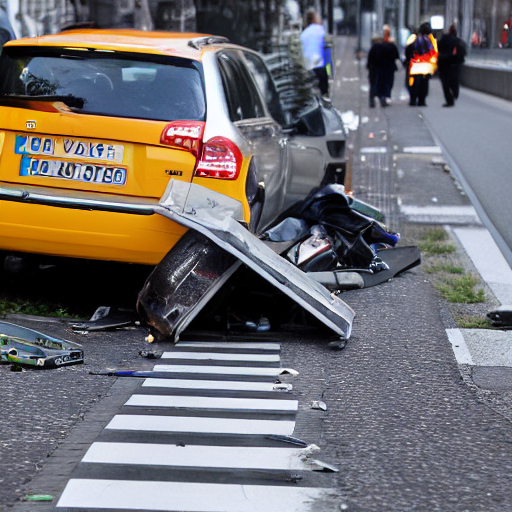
(421, 59)
(452, 52)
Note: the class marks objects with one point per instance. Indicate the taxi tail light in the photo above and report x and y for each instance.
(185, 135)
(220, 158)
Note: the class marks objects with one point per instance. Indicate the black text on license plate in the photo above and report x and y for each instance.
(76, 171)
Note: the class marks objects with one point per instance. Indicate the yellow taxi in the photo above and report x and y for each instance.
(94, 124)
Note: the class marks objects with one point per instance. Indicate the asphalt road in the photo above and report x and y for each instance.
(475, 138)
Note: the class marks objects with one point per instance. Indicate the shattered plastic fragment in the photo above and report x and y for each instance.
(288, 439)
(318, 465)
(38, 497)
(26, 347)
(106, 317)
(317, 404)
(339, 344)
(310, 450)
(282, 387)
(288, 372)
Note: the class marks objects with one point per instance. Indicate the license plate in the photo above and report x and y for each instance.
(76, 171)
(68, 148)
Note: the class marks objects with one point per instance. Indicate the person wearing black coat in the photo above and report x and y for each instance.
(452, 52)
(381, 68)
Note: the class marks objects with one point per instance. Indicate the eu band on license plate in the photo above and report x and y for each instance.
(77, 171)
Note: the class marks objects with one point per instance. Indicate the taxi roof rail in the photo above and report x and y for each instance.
(199, 42)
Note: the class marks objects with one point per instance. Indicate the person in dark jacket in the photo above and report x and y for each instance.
(389, 56)
(381, 68)
(452, 52)
(372, 65)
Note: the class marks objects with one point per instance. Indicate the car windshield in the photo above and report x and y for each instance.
(106, 83)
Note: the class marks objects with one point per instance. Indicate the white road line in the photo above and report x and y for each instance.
(489, 347)
(200, 425)
(488, 260)
(219, 370)
(459, 346)
(440, 214)
(229, 345)
(214, 356)
(210, 384)
(236, 457)
(209, 402)
(372, 149)
(188, 497)
(435, 150)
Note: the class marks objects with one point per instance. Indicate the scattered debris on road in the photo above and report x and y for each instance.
(24, 347)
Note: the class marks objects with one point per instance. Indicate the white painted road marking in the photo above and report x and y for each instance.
(488, 260)
(236, 457)
(188, 497)
(200, 425)
(219, 370)
(216, 356)
(459, 346)
(210, 384)
(489, 347)
(202, 402)
(224, 345)
(440, 214)
(372, 149)
(435, 150)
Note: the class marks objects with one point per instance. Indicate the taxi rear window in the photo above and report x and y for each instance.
(106, 83)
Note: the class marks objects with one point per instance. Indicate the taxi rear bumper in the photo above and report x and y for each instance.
(74, 224)
(76, 200)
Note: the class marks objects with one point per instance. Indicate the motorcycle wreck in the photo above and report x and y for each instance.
(320, 247)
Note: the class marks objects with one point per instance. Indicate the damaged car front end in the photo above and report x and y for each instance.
(218, 218)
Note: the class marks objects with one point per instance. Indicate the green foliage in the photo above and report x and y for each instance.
(440, 267)
(27, 307)
(473, 322)
(434, 241)
(461, 290)
(434, 235)
(432, 247)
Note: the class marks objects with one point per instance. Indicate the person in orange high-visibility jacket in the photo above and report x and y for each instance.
(421, 58)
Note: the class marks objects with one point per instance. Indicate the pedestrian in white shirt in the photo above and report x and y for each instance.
(313, 43)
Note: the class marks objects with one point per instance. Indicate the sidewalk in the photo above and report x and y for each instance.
(398, 167)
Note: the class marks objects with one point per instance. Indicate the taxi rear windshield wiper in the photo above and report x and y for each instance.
(68, 99)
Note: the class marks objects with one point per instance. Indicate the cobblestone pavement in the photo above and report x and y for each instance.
(404, 424)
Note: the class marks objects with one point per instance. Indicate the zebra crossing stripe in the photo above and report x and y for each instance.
(217, 385)
(202, 402)
(220, 370)
(225, 345)
(217, 356)
(188, 497)
(236, 457)
(201, 425)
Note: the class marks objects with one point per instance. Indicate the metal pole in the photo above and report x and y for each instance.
(358, 26)
(401, 24)
(492, 42)
(330, 16)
